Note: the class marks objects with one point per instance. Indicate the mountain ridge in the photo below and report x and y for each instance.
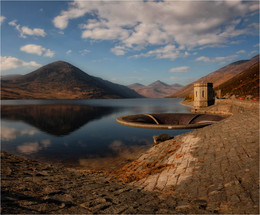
(244, 84)
(157, 89)
(62, 80)
(219, 76)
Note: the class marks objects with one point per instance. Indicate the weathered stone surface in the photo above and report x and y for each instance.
(35, 189)
(218, 164)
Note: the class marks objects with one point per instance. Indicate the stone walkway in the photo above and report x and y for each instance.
(216, 167)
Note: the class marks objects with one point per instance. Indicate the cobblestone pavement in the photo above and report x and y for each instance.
(30, 187)
(216, 167)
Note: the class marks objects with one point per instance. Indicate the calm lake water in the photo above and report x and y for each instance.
(80, 133)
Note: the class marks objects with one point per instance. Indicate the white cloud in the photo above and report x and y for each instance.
(13, 63)
(166, 52)
(84, 52)
(49, 53)
(24, 30)
(180, 69)
(241, 51)
(182, 24)
(38, 50)
(118, 50)
(33, 49)
(220, 60)
(255, 25)
(69, 51)
(254, 52)
(2, 19)
(203, 58)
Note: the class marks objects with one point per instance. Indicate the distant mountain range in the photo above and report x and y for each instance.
(157, 89)
(226, 78)
(61, 80)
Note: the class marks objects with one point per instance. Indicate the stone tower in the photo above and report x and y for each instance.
(203, 95)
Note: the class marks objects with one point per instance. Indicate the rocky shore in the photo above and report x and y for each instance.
(210, 170)
(30, 187)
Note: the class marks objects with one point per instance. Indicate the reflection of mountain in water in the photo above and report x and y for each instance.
(58, 120)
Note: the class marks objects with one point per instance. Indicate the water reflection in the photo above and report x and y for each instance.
(58, 120)
(34, 147)
(8, 134)
(81, 134)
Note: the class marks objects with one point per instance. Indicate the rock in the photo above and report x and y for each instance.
(202, 204)
(161, 138)
(8, 171)
(233, 97)
(249, 97)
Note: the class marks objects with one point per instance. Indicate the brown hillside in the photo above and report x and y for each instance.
(61, 80)
(243, 84)
(219, 76)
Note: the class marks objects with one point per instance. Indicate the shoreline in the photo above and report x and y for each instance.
(165, 184)
(186, 103)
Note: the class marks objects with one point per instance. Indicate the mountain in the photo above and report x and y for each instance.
(9, 77)
(158, 84)
(243, 84)
(61, 80)
(220, 76)
(157, 89)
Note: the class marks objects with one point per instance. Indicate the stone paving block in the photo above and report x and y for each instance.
(151, 181)
(172, 180)
(161, 181)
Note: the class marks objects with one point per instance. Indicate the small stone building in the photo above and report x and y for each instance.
(203, 95)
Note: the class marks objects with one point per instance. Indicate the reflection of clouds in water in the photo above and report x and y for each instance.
(119, 147)
(116, 145)
(8, 134)
(120, 156)
(123, 155)
(141, 141)
(46, 143)
(33, 147)
(29, 148)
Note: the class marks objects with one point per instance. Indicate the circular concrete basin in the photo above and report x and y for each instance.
(169, 120)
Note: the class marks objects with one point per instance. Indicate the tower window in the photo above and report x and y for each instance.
(203, 93)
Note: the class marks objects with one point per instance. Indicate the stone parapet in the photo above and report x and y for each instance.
(229, 107)
(243, 103)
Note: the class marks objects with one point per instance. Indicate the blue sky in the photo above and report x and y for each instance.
(129, 41)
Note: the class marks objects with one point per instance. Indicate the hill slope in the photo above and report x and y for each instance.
(219, 76)
(243, 84)
(61, 80)
(157, 89)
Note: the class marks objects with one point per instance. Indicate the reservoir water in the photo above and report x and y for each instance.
(82, 134)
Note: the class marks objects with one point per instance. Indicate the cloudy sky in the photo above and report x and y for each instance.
(129, 41)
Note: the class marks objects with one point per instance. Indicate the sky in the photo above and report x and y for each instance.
(129, 42)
